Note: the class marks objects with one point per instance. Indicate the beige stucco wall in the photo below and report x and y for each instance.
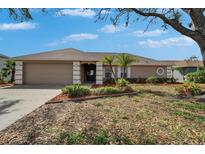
(146, 71)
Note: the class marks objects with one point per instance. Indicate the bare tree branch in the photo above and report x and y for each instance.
(176, 25)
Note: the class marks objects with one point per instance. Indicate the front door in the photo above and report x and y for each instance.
(90, 73)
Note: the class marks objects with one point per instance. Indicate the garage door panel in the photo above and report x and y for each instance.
(47, 73)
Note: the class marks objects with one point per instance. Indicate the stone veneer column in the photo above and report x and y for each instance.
(76, 73)
(19, 72)
(99, 73)
(169, 72)
(129, 72)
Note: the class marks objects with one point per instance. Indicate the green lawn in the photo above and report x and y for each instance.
(153, 116)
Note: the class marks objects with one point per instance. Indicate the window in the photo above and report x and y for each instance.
(123, 75)
(108, 73)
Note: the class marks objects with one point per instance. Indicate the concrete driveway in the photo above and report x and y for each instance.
(17, 101)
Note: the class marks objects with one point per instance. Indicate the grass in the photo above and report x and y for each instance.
(155, 115)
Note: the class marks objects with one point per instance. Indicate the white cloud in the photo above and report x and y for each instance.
(141, 33)
(172, 41)
(18, 26)
(74, 37)
(77, 12)
(111, 29)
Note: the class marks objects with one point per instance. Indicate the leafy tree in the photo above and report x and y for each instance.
(124, 60)
(193, 58)
(9, 69)
(109, 60)
(188, 21)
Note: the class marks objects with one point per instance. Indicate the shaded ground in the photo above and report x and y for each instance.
(17, 101)
(154, 116)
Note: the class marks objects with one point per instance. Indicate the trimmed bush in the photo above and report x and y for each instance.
(122, 82)
(76, 90)
(106, 90)
(197, 77)
(139, 80)
(152, 79)
(189, 88)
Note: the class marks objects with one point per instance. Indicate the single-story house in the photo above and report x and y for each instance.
(183, 67)
(3, 58)
(70, 65)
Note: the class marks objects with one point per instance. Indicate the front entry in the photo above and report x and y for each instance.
(89, 73)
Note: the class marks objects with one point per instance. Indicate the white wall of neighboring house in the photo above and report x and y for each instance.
(178, 76)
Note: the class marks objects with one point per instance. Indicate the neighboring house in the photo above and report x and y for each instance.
(182, 68)
(3, 58)
(70, 65)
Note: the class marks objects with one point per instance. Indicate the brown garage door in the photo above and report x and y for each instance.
(47, 73)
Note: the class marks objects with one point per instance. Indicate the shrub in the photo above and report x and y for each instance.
(139, 80)
(106, 90)
(122, 82)
(76, 90)
(152, 79)
(101, 138)
(197, 77)
(189, 88)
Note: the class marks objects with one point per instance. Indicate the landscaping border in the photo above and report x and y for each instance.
(7, 85)
(90, 98)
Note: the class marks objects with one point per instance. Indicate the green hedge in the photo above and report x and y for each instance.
(197, 77)
(122, 82)
(140, 80)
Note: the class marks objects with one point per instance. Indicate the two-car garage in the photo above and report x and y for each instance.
(47, 73)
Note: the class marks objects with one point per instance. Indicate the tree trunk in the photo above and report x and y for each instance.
(201, 44)
(113, 74)
(124, 71)
(12, 76)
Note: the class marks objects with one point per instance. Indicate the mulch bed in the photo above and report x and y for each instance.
(62, 98)
(2, 85)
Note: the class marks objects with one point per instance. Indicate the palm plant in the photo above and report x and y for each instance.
(9, 69)
(109, 60)
(124, 60)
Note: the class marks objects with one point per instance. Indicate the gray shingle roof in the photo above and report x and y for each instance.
(183, 63)
(71, 54)
(3, 56)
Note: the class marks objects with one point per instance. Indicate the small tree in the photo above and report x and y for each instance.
(109, 60)
(124, 60)
(9, 69)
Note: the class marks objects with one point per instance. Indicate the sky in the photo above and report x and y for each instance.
(77, 28)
